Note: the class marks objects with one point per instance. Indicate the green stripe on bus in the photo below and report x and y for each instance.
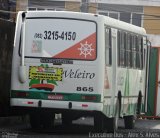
(43, 95)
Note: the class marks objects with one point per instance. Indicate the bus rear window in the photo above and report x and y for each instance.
(60, 38)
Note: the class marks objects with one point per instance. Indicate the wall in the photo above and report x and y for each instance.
(152, 23)
(76, 6)
(72, 6)
(93, 7)
(21, 5)
(130, 2)
(4, 5)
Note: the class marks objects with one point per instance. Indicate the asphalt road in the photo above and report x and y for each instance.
(81, 128)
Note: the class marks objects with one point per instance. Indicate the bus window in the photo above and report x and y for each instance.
(121, 48)
(108, 47)
(128, 51)
(64, 41)
(144, 51)
(118, 45)
(139, 52)
(134, 51)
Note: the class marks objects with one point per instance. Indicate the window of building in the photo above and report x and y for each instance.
(47, 4)
(130, 13)
(114, 15)
(136, 19)
(126, 17)
(108, 46)
(105, 13)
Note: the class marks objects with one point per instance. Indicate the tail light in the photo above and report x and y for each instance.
(89, 97)
(22, 94)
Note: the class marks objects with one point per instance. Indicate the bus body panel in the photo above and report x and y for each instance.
(66, 64)
(60, 62)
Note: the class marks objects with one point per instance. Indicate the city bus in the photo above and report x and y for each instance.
(78, 64)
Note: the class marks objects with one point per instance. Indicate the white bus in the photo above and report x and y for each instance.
(78, 64)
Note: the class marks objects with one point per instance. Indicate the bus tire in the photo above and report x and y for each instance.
(66, 120)
(35, 121)
(99, 120)
(129, 122)
(47, 119)
(112, 123)
(39, 120)
(139, 101)
(120, 102)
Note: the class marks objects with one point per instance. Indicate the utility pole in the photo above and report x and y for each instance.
(84, 5)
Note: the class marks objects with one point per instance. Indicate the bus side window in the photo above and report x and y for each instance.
(108, 47)
(140, 53)
(128, 51)
(118, 46)
(137, 53)
(121, 49)
(134, 51)
(144, 51)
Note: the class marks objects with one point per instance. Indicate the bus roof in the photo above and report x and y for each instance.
(124, 25)
(111, 22)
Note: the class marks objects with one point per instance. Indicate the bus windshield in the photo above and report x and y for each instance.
(60, 38)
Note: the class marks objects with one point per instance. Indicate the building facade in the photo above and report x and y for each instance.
(138, 12)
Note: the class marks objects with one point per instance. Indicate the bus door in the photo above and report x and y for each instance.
(114, 66)
(147, 49)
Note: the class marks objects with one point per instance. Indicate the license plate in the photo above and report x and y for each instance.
(55, 97)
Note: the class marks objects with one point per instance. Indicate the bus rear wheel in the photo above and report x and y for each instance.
(35, 121)
(129, 122)
(47, 120)
(39, 120)
(139, 101)
(112, 123)
(66, 119)
(102, 123)
(99, 122)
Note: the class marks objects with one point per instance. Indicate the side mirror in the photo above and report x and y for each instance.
(22, 74)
